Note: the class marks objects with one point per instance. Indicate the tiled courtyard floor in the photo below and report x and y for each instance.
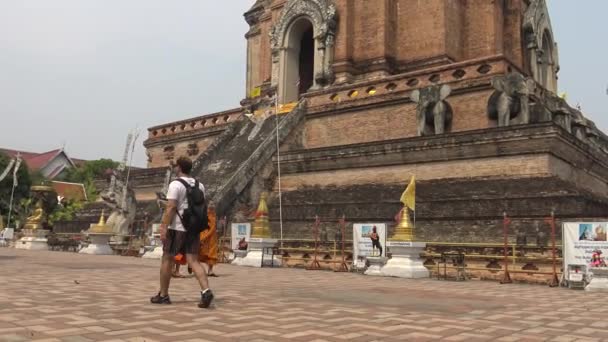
(52, 296)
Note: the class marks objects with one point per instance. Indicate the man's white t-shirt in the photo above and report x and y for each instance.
(177, 192)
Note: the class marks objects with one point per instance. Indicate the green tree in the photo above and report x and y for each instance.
(66, 212)
(89, 170)
(22, 191)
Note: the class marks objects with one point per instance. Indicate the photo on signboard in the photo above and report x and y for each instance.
(599, 231)
(240, 231)
(366, 231)
(585, 232)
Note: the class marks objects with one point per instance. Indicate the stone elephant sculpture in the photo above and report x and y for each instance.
(434, 114)
(510, 100)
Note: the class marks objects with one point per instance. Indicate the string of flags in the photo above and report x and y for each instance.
(14, 165)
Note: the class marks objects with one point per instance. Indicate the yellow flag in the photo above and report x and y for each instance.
(256, 92)
(408, 198)
(287, 107)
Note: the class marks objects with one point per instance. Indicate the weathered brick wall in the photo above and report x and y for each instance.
(422, 30)
(512, 34)
(387, 122)
(370, 31)
(448, 210)
(400, 174)
(483, 26)
(470, 111)
(162, 155)
(392, 36)
(462, 190)
(455, 33)
(189, 137)
(391, 121)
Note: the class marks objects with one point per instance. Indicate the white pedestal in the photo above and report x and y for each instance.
(156, 253)
(375, 265)
(405, 262)
(32, 243)
(254, 254)
(33, 239)
(6, 236)
(599, 282)
(238, 257)
(100, 245)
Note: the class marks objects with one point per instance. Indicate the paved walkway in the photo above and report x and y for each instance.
(52, 296)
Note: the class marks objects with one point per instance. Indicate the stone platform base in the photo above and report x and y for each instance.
(238, 257)
(156, 253)
(100, 245)
(32, 243)
(599, 282)
(405, 262)
(375, 265)
(254, 254)
(33, 239)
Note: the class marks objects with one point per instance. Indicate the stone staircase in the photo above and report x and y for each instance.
(238, 154)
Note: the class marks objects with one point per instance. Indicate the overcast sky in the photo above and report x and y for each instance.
(84, 72)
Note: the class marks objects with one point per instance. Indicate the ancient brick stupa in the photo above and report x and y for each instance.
(461, 93)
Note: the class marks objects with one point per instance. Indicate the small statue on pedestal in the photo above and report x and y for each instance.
(34, 221)
(375, 242)
(45, 199)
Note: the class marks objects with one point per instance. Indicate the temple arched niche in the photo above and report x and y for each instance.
(302, 48)
(298, 62)
(547, 65)
(541, 49)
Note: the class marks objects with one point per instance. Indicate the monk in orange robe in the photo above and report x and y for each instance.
(209, 242)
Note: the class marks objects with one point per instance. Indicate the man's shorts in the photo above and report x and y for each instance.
(178, 242)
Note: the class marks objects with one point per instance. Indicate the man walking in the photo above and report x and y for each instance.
(181, 225)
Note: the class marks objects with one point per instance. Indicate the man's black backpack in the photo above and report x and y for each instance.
(194, 219)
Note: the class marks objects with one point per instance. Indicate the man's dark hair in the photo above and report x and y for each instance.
(185, 164)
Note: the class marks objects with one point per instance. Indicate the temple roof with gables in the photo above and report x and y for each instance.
(50, 163)
(71, 191)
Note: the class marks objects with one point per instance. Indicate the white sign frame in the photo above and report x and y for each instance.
(362, 244)
(237, 233)
(580, 239)
(8, 233)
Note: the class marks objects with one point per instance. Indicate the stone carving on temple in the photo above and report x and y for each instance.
(509, 104)
(192, 149)
(434, 114)
(121, 200)
(559, 110)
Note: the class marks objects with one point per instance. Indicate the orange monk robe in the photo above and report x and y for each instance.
(209, 243)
